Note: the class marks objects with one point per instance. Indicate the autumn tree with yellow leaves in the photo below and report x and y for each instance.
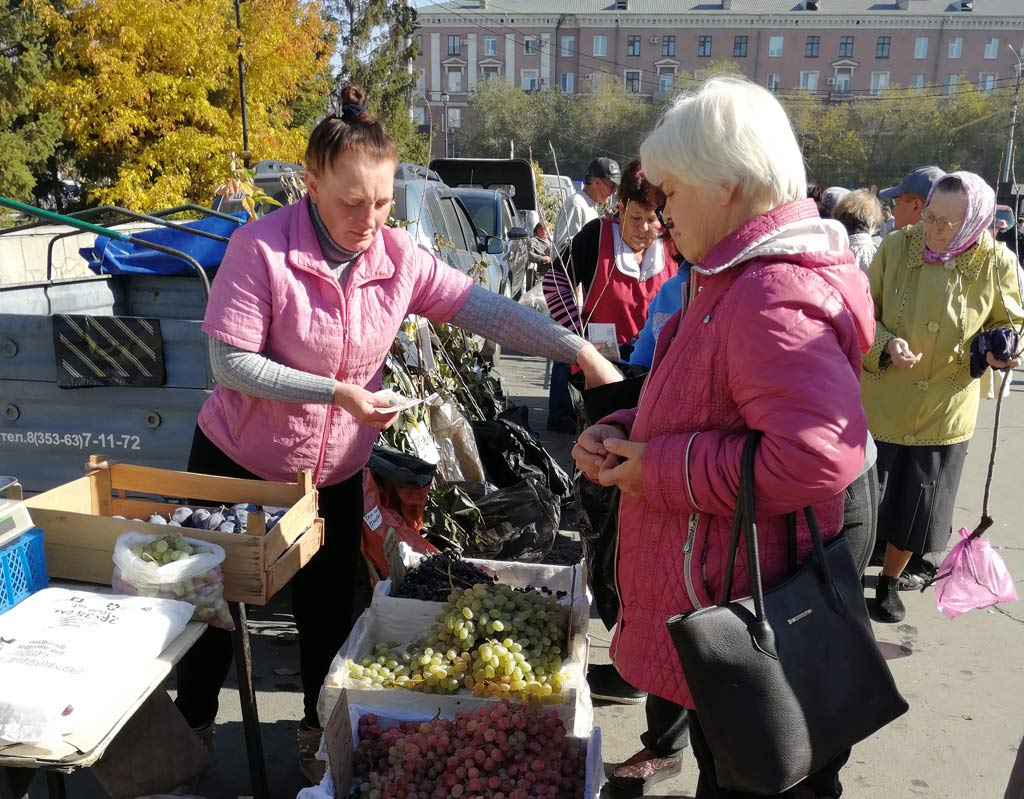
(149, 98)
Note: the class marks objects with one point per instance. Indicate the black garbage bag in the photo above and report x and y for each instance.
(520, 523)
(510, 453)
(401, 469)
(597, 506)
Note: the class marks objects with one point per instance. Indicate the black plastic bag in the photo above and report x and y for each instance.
(519, 523)
(401, 469)
(510, 453)
(597, 506)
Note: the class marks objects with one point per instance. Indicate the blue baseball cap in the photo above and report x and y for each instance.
(918, 182)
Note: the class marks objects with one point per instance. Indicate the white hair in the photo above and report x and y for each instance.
(729, 133)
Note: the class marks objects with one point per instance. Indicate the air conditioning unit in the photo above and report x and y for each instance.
(831, 81)
(655, 39)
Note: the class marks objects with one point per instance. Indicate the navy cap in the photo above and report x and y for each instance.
(605, 169)
(919, 182)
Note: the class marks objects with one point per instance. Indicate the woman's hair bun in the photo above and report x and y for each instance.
(353, 94)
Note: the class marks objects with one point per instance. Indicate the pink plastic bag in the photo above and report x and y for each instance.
(972, 576)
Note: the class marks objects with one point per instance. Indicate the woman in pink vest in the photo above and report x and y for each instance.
(770, 338)
(304, 309)
(618, 264)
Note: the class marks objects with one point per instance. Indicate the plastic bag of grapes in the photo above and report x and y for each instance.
(173, 567)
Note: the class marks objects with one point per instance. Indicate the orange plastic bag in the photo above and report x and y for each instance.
(395, 508)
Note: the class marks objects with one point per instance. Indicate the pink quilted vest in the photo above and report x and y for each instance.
(771, 340)
(274, 294)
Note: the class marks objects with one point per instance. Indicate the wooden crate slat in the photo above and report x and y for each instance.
(293, 524)
(297, 556)
(216, 489)
(73, 496)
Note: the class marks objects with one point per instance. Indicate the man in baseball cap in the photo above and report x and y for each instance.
(599, 184)
(909, 197)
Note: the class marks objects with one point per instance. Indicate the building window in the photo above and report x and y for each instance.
(419, 115)
(773, 82)
(921, 47)
(882, 47)
(987, 82)
(668, 46)
(843, 82)
(419, 42)
(455, 80)
(453, 45)
(454, 118)
(601, 45)
(917, 81)
(568, 46)
(813, 47)
(568, 82)
(666, 80)
(530, 45)
(992, 49)
(490, 45)
(951, 82)
(490, 75)
(528, 80)
(846, 47)
(633, 81)
(739, 47)
(703, 46)
(809, 81)
(775, 47)
(956, 47)
(632, 45)
(879, 82)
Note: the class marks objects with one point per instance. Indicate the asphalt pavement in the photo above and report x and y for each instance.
(962, 677)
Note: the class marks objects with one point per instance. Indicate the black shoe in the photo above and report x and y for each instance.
(562, 426)
(607, 684)
(887, 607)
(912, 582)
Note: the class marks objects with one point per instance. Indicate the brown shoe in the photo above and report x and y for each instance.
(309, 744)
(643, 770)
(205, 735)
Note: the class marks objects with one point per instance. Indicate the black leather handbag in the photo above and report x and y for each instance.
(787, 679)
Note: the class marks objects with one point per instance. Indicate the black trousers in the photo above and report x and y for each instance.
(860, 517)
(666, 726)
(326, 595)
(822, 784)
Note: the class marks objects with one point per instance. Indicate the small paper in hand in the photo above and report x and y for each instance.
(398, 403)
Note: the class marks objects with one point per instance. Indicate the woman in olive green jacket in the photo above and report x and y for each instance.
(936, 286)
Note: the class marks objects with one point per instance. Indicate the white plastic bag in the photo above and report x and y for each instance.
(64, 653)
(196, 579)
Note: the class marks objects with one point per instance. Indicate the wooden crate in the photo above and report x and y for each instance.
(79, 533)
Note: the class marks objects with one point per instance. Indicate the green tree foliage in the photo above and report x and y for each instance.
(376, 47)
(608, 121)
(148, 92)
(28, 131)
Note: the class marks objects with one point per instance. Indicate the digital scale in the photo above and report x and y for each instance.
(14, 516)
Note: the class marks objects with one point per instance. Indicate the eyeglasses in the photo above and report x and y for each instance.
(942, 224)
(661, 219)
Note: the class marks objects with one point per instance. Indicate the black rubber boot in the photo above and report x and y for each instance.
(887, 606)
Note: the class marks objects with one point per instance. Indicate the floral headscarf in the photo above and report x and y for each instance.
(981, 210)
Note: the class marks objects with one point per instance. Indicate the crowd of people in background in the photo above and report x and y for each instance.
(699, 254)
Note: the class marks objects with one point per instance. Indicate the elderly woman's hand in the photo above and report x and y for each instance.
(901, 354)
(590, 453)
(627, 474)
(597, 369)
(1012, 363)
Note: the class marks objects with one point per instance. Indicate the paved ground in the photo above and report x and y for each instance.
(962, 678)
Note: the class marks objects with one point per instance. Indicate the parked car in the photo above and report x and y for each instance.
(441, 223)
(494, 215)
(514, 176)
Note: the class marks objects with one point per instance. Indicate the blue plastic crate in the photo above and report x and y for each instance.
(22, 569)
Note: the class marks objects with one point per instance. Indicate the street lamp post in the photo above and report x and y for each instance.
(1008, 158)
(444, 105)
(241, 85)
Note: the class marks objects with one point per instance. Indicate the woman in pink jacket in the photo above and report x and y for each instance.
(303, 312)
(770, 338)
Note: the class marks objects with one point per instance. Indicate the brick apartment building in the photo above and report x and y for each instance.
(839, 49)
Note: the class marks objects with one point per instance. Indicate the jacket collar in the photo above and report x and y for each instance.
(969, 263)
(304, 251)
(788, 229)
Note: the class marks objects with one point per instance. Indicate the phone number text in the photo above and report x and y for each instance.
(73, 440)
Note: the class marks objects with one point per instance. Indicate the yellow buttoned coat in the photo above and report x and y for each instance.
(938, 309)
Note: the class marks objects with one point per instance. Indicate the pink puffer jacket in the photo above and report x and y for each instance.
(771, 340)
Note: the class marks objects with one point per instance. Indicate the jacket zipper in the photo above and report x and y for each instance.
(344, 297)
(688, 548)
